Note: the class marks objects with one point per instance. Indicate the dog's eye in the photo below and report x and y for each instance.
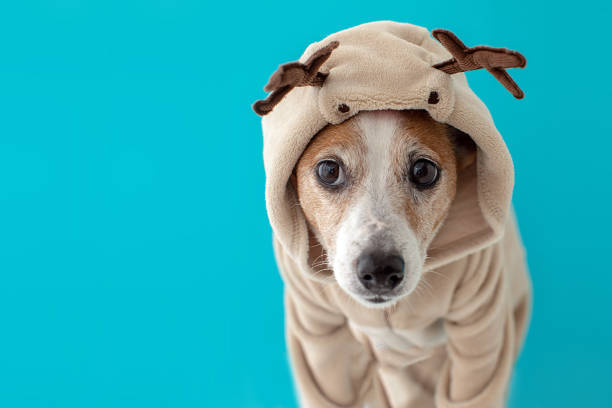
(424, 173)
(330, 173)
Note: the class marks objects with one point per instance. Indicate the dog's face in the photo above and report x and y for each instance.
(375, 189)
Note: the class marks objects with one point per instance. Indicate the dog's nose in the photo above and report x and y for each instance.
(380, 272)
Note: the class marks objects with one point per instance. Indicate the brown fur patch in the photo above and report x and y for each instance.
(315, 198)
(426, 217)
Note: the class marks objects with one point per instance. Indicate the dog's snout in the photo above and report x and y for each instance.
(380, 272)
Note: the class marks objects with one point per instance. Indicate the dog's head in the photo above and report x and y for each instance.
(375, 189)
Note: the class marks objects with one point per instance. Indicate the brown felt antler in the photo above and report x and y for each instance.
(494, 60)
(293, 74)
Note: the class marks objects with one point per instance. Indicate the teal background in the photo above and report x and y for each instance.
(136, 267)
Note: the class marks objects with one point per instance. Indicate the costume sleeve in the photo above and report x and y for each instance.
(330, 367)
(480, 330)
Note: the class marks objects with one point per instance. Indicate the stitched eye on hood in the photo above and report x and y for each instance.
(424, 173)
(330, 173)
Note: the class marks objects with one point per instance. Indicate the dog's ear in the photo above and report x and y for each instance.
(464, 146)
(293, 179)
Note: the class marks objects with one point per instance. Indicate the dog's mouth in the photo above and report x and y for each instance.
(378, 299)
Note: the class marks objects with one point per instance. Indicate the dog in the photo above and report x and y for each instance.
(388, 188)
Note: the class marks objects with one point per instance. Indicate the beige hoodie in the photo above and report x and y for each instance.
(454, 340)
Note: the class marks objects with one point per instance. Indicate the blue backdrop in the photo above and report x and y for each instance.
(131, 194)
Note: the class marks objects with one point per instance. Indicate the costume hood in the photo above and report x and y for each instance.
(389, 65)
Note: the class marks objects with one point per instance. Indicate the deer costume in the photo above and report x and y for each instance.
(454, 344)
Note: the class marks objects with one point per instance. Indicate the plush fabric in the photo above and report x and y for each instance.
(293, 74)
(494, 60)
(454, 340)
